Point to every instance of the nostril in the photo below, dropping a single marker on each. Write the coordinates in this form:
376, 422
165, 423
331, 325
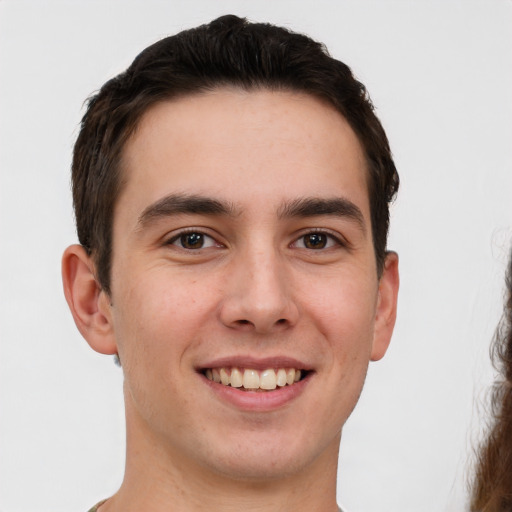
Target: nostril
281, 321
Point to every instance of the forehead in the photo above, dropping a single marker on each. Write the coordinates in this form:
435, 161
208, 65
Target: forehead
228, 142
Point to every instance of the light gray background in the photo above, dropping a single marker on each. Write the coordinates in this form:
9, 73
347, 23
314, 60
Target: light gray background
440, 74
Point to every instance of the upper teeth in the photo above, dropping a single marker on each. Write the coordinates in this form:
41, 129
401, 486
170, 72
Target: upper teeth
253, 379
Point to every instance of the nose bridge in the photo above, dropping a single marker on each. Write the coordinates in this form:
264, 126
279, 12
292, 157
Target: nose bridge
259, 295
264, 277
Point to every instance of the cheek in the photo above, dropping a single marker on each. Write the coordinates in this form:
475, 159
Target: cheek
157, 319
345, 311
344, 315
150, 331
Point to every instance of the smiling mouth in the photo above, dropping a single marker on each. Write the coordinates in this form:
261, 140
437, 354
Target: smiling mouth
254, 380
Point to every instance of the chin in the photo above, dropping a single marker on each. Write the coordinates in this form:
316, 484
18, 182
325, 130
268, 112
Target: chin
259, 471
266, 461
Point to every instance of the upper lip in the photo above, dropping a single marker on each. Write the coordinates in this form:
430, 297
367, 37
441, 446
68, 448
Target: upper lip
255, 363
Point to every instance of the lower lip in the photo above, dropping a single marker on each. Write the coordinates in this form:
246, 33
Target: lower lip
258, 401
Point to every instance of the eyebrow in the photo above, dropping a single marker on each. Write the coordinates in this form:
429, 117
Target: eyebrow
175, 204
313, 206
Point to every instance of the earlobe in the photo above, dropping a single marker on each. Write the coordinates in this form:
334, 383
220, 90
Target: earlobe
89, 304
386, 306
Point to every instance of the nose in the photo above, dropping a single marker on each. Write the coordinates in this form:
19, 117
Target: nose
259, 295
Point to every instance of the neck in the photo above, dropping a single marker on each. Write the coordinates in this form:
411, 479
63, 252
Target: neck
159, 480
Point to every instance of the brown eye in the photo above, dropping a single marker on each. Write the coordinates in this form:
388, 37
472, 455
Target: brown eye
193, 240
315, 241
318, 240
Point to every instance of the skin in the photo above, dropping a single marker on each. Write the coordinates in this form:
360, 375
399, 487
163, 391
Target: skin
257, 289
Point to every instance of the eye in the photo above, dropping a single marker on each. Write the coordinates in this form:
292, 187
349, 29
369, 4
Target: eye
316, 241
191, 240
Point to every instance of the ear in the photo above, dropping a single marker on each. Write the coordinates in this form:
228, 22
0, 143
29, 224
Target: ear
89, 304
386, 306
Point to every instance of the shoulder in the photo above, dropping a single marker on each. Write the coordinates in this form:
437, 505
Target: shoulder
97, 506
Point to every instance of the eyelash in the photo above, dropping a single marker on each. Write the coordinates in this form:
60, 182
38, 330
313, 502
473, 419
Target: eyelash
176, 237
330, 237
336, 238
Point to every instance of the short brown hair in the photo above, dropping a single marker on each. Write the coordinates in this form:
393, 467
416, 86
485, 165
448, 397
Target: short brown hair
229, 51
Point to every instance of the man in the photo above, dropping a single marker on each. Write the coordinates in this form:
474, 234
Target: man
231, 191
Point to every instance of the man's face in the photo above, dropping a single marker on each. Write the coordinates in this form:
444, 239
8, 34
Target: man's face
242, 243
